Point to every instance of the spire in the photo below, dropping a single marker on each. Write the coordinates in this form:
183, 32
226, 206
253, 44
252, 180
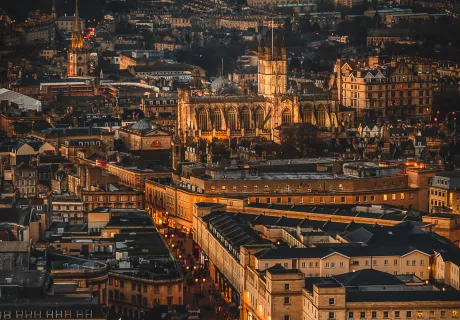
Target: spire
77, 39
53, 10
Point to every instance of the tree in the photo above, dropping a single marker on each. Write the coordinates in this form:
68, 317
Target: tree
300, 140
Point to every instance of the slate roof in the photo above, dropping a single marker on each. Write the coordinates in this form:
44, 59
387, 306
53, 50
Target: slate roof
367, 277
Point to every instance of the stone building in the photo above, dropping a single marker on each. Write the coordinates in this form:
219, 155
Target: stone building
145, 135
78, 57
372, 271
378, 90
358, 183
444, 192
248, 115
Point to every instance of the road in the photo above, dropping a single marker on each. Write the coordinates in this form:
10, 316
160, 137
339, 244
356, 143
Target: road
200, 291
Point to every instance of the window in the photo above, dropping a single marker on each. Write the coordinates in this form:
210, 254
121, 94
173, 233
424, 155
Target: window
374, 314
402, 196
385, 197
385, 314
287, 317
454, 314
408, 314
385, 262
351, 315
122, 283
393, 196
419, 314
286, 286
287, 300
268, 200
331, 315
331, 301
395, 262
443, 314
342, 264
397, 314
362, 315
342, 199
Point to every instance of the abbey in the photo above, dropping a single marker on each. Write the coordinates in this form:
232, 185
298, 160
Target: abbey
249, 115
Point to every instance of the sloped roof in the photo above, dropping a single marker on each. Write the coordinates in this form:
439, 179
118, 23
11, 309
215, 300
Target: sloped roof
23, 101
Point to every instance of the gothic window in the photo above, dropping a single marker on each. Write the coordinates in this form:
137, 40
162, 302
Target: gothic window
286, 116
307, 113
232, 118
202, 120
246, 118
259, 115
322, 113
216, 119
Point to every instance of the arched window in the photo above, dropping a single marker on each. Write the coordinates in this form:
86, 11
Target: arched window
232, 119
286, 116
307, 114
216, 119
202, 120
246, 118
259, 118
322, 113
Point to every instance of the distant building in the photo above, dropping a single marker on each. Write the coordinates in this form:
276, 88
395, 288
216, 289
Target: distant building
65, 24
444, 192
382, 36
57, 137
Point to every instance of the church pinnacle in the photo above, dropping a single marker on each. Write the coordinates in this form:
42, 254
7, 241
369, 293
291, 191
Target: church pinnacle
77, 39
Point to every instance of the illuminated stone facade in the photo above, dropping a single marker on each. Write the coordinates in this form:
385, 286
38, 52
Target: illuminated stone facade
78, 58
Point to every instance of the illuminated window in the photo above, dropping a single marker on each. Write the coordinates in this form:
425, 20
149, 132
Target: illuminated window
385, 197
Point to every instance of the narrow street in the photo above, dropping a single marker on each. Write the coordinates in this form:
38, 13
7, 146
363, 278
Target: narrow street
199, 289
